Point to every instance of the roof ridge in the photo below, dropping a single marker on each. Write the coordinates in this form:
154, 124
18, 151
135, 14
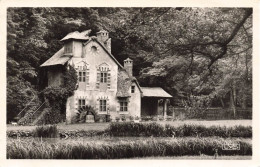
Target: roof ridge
94, 38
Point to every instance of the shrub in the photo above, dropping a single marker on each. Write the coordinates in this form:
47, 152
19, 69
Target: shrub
123, 118
82, 133
146, 118
102, 118
55, 97
135, 129
18, 149
26, 119
19, 133
49, 116
117, 119
131, 118
157, 130
155, 118
47, 131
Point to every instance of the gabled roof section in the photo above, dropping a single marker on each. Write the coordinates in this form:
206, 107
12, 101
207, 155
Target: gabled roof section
77, 35
154, 92
57, 59
124, 82
128, 59
93, 38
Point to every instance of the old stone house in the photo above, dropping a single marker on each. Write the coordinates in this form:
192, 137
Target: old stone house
103, 82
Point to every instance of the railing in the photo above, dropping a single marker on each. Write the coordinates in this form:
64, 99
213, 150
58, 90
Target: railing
38, 108
211, 113
27, 104
34, 114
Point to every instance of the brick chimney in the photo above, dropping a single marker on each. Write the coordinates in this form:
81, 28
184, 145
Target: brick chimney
128, 65
103, 37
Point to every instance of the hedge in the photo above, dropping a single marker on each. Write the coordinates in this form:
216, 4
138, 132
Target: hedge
157, 130
128, 129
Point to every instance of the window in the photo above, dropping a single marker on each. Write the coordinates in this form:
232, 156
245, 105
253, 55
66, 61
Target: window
82, 103
123, 105
82, 76
132, 89
93, 48
68, 48
103, 77
103, 105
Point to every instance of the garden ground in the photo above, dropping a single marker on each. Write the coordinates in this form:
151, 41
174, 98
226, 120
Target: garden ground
103, 126
155, 142
204, 157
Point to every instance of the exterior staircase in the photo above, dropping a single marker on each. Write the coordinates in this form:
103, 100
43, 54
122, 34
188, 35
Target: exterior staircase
31, 115
31, 111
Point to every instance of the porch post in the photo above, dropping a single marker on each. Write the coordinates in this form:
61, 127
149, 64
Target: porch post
165, 108
158, 107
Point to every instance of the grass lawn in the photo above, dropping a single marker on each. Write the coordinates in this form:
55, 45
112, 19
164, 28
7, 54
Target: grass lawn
102, 126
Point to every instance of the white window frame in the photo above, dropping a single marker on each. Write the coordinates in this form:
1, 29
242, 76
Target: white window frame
102, 105
80, 103
123, 106
103, 77
82, 76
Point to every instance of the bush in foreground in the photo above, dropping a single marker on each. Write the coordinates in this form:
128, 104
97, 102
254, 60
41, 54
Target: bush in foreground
18, 149
50, 131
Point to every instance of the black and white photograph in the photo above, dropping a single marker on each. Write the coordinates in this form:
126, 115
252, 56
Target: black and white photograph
129, 83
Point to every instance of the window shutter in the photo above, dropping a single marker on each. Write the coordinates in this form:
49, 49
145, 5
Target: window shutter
108, 80
98, 79
87, 76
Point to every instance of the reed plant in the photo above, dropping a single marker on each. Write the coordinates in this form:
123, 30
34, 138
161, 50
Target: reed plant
150, 147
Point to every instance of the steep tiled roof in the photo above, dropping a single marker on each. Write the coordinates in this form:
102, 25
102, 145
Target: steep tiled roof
105, 49
123, 84
57, 59
77, 35
154, 92
124, 81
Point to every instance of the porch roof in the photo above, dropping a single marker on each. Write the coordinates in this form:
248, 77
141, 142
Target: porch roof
155, 92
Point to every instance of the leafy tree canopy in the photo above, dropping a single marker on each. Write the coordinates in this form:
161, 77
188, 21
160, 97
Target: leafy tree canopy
191, 52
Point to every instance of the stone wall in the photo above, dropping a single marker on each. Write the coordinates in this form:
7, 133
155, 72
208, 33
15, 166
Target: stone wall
94, 60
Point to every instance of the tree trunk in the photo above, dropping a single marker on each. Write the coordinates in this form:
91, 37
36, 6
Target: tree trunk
222, 102
244, 96
232, 102
244, 105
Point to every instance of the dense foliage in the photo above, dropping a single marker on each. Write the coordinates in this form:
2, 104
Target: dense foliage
56, 97
202, 56
23, 149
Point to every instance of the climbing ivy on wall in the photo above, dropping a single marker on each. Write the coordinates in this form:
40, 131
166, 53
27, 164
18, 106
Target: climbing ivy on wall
56, 96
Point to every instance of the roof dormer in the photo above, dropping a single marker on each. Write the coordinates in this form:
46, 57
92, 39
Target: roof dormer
73, 43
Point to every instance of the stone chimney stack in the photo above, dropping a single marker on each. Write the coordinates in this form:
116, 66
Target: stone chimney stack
128, 65
103, 37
